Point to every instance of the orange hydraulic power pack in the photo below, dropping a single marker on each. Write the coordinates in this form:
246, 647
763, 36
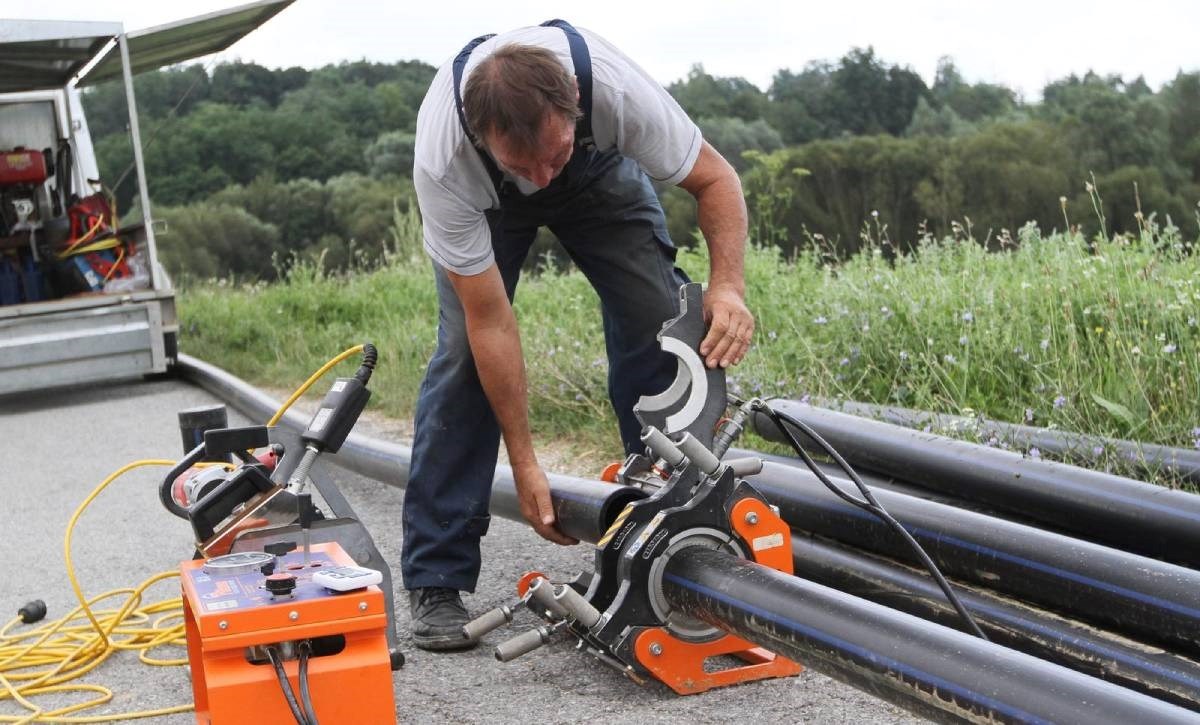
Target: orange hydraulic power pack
247, 613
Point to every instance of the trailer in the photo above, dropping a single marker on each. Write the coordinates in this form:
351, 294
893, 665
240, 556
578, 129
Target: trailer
83, 296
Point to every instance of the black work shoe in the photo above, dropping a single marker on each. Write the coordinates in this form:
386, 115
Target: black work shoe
438, 616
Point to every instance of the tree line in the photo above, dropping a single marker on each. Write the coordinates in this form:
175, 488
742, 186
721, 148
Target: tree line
250, 166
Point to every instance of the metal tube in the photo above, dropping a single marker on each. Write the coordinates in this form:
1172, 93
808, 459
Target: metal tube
135, 139
1042, 634
1153, 600
935, 671
1135, 516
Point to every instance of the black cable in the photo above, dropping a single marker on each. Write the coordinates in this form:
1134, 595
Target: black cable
870, 504
277, 663
369, 357
305, 697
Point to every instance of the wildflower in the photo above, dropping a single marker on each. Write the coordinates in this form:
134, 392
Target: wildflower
949, 358
1169, 348
866, 328
820, 320
992, 442
1099, 330
903, 355
1192, 322
1018, 350
963, 340
968, 317
1029, 415
1098, 451
1034, 453
1044, 344
928, 428
804, 399
874, 213
578, 397
771, 335
1135, 350
1060, 401
886, 312
844, 362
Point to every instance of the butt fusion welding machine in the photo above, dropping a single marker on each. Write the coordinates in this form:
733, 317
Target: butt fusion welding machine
618, 612
288, 611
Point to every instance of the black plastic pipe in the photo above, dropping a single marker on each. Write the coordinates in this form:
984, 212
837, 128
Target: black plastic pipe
935, 671
1042, 634
1131, 515
1152, 600
584, 508
1148, 458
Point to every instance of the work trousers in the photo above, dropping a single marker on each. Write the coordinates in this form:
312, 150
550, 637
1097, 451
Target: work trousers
604, 211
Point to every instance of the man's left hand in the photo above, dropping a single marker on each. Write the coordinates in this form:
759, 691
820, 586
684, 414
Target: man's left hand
730, 327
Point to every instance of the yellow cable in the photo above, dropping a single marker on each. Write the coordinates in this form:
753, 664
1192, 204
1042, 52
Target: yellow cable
309, 383
81, 640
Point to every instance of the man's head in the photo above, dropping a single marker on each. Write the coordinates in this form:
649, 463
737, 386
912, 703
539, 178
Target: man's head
522, 106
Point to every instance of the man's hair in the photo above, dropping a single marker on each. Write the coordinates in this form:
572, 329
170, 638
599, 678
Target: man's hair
510, 92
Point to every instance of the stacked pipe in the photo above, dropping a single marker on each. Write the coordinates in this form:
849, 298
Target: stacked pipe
929, 668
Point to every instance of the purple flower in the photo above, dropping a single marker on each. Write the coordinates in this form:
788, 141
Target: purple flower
1169, 348
844, 362
771, 335
1029, 415
820, 320
949, 358
928, 428
804, 399
963, 340
1034, 453
1098, 451
1060, 401
1044, 344
968, 317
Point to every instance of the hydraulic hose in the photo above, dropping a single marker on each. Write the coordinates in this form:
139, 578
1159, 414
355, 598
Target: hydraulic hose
1139, 517
1152, 600
285, 686
935, 671
1046, 636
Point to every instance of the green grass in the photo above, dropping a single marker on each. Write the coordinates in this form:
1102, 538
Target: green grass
1099, 336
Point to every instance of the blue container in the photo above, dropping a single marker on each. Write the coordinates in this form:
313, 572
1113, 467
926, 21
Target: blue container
10, 283
33, 283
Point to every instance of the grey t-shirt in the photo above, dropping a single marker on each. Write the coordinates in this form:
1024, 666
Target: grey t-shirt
630, 111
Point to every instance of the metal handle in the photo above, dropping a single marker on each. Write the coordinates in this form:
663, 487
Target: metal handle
580, 608
523, 643
541, 591
698, 454
486, 622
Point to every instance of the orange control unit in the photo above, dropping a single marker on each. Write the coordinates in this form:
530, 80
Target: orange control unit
231, 618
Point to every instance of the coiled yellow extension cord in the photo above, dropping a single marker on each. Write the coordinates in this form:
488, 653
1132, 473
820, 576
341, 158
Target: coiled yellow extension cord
47, 658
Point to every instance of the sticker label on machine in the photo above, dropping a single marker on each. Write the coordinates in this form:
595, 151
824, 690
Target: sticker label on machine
773, 541
224, 592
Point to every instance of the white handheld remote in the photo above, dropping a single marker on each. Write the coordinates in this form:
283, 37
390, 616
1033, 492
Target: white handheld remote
347, 578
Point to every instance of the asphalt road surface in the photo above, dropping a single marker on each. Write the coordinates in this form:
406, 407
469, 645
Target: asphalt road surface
55, 447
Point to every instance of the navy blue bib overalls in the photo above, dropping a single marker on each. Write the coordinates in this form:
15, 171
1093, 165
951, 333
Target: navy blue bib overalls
605, 213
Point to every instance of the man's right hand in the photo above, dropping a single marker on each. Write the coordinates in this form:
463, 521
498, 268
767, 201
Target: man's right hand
533, 495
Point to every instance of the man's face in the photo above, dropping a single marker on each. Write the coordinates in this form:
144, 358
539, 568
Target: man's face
556, 143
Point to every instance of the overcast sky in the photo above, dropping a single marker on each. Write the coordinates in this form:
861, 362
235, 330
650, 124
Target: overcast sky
1019, 43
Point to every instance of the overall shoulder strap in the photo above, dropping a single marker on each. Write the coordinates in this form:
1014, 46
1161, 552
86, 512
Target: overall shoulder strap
460, 62
582, 59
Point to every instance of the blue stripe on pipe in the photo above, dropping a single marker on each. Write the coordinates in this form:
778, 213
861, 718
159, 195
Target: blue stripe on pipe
864, 653
1167, 604
999, 613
